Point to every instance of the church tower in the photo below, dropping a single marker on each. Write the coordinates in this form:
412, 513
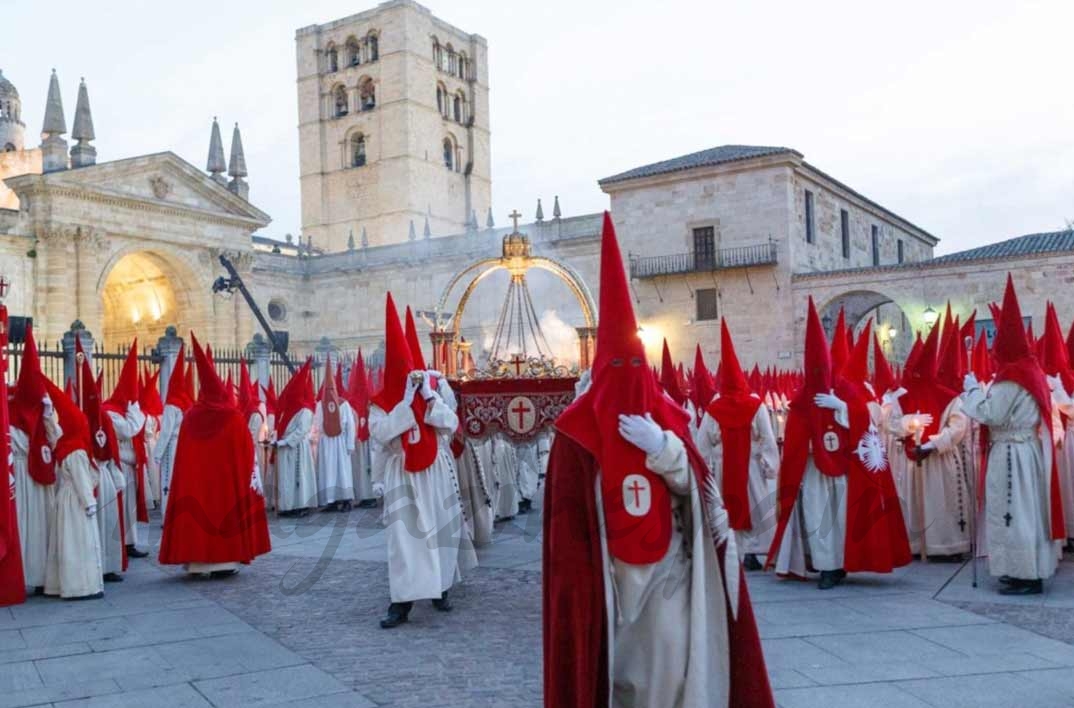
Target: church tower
12, 129
393, 107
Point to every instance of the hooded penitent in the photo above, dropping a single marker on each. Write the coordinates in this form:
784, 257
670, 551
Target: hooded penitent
330, 423
575, 613
856, 371
127, 390
734, 411
272, 402
249, 401
27, 414
420, 445
1016, 363
358, 396
105, 444
150, 398
76, 431
413, 342
178, 395
703, 390
295, 396
883, 376
840, 343
669, 379
875, 538
12, 581
215, 515
925, 394
1053, 350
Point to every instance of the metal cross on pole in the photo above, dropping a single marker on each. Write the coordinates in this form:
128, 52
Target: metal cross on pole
515, 216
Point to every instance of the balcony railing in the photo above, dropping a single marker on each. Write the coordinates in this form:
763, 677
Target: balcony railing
723, 259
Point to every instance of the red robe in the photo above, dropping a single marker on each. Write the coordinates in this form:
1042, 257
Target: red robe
575, 617
214, 515
12, 587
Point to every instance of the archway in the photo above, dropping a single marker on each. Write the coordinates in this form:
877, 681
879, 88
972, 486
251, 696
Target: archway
141, 295
890, 323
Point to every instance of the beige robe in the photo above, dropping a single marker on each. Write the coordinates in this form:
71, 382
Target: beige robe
74, 553
152, 468
428, 540
1065, 451
1017, 499
164, 452
503, 463
294, 464
474, 488
111, 482
668, 644
127, 427
34, 504
335, 477
763, 466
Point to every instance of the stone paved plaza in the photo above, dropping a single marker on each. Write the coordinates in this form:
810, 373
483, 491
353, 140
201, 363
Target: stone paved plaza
299, 628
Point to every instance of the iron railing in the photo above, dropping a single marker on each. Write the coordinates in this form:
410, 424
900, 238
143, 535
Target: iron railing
723, 259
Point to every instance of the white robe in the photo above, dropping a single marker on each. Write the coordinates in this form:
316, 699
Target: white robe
74, 553
335, 478
1065, 451
1017, 482
668, 643
763, 466
127, 427
164, 452
152, 467
474, 487
939, 505
361, 471
295, 476
527, 470
503, 463
34, 505
427, 536
111, 482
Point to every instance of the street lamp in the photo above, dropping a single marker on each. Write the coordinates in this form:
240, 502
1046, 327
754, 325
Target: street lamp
891, 332
930, 317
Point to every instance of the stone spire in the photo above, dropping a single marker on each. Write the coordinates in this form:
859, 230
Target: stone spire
365, 238
216, 166
236, 169
427, 232
540, 211
556, 212
350, 241
83, 154
473, 223
53, 147
413, 234
489, 221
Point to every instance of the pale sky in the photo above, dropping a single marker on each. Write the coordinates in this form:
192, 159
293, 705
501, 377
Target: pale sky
957, 115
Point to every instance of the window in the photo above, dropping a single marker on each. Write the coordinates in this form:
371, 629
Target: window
876, 245
844, 222
449, 154
372, 47
333, 59
705, 248
277, 310
901, 254
367, 94
357, 150
707, 304
452, 59
462, 65
439, 100
438, 54
809, 236
458, 109
340, 99
354, 52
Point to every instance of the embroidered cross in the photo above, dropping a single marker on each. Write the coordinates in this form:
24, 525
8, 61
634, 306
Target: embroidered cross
517, 361
637, 489
962, 524
521, 409
1007, 517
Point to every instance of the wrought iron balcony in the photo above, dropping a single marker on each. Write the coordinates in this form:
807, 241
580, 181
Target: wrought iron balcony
722, 259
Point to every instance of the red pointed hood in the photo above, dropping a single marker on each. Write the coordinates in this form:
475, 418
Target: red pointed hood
817, 365
105, 443
126, 390
703, 389
414, 342
925, 393
272, 403
76, 432
1070, 343
949, 366
840, 343
294, 397
622, 383
669, 378
1010, 343
27, 413
330, 420
150, 398
1053, 357
358, 395
177, 394
883, 376
249, 401
212, 392
856, 370
982, 360
732, 379
398, 360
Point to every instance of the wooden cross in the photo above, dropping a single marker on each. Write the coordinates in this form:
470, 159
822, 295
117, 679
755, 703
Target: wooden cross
515, 216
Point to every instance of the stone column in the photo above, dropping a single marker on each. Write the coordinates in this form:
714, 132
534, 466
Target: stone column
586, 342
259, 353
70, 362
168, 349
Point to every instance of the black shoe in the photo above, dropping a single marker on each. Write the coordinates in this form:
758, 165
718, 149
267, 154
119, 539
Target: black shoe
398, 613
948, 558
827, 580
750, 562
133, 552
95, 596
39, 590
217, 574
367, 504
1024, 587
1008, 580
302, 513
840, 576
442, 603
525, 506
112, 578
344, 506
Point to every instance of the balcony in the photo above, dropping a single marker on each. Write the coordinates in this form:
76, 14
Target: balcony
723, 259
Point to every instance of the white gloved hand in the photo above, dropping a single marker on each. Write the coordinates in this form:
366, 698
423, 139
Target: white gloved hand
928, 447
920, 420
378, 489
830, 401
47, 403
898, 393
91, 511
970, 382
642, 432
135, 407
409, 391
426, 386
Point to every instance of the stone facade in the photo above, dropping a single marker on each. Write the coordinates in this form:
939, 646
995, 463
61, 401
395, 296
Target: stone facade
377, 96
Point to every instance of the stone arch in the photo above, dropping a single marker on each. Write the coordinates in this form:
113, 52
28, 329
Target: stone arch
143, 289
888, 317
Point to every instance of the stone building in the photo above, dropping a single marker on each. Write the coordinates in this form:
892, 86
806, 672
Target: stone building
393, 107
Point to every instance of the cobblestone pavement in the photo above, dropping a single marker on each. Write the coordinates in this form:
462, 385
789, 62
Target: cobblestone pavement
299, 628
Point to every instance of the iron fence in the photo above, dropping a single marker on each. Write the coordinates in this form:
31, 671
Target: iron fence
721, 259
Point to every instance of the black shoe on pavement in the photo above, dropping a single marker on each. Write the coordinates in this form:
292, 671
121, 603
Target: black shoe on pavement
344, 506
217, 574
1024, 587
398, 613
112, 578
95, 596
367, 504
133, 552
442, 603
1008, 580
827, 580
750, 562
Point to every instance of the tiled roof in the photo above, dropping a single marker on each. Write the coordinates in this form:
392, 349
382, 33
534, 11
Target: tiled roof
713, 156
1028, 245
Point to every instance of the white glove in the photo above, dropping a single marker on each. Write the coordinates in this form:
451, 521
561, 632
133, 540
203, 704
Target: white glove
898, 393
830, 401
1054, 383
434, 374
969, 382
281, 443
135, 407
928, 447
642, 433
409, 391
920, 420
91, 511
47, 402
426, 386
378, 489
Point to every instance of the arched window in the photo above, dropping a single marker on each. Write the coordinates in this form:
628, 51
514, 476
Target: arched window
449, 154
458, 108
463, 62
354, 52
372, 46
438, 54
339, 98
452, 59
357, 150
367, 94
439, 99
333, 58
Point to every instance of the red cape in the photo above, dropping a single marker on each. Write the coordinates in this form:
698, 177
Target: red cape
734, 415
214, 516
12, 587
575, 617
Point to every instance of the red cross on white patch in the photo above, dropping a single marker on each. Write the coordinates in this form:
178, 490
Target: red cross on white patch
637, 495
